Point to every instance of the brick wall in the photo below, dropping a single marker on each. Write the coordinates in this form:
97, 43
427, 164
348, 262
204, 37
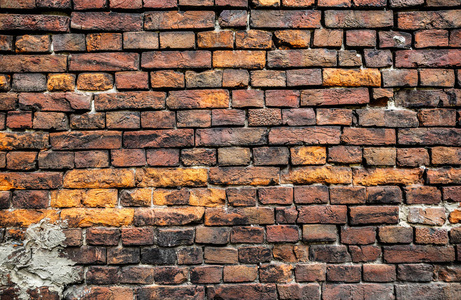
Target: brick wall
231, 149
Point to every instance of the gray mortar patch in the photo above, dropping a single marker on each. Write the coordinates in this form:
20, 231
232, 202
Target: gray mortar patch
38, 261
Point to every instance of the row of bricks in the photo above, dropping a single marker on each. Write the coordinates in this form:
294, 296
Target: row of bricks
250, 39
91, 255
314, 291
218, 216
152, 100
250, 59
231, 137
264, 254
202, 20
268, 273
232, 156
238, 197
163, 4
58, 121
311, 234
37, 82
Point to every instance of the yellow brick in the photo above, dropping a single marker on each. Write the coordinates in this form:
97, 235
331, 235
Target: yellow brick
207, 197
61, 82
86, 217
100, 178
308, 155
384, 176
25, 217
100, 198
159, 177
352, 77
324, 174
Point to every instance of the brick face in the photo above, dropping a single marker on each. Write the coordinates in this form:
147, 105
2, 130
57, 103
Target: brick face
232, 149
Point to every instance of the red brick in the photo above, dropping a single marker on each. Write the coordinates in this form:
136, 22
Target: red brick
417, 19
345, 154
395, 235
170, 275
239, 59
247, 234
19, 119
212, 235
106, 21
437, 117
334, 116
361, 38
206, 274
379, 273
275, 273
319, 233
310, 135
394, 39
132, 80
233, 18
33, 43
437, 77
358, 236
247, 98
215, 39
282, 98
344, 273
34, 22
358, 18
111, 61
241, 196
437, 236
100, 236
179, 20
310, 272
431, 38
167, 79
286, 19
128, 158
427, 216
427, 58
160, 3
85, 140
286, 39
328, 214
33, 63
89, 4
328, 38
230, 137
374, 215
240, 273
330, 253
282, 233
252, 291
123, 4
301, 58
321, 97
418, 253
177, 40
235, 78
422, 195
140, 40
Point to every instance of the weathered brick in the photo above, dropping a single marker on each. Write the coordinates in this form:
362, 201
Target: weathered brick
427, 58
110, 61
301, 58
106, 21
179, 20
322, 97
239, 59
25, 22
395, 235
358, 18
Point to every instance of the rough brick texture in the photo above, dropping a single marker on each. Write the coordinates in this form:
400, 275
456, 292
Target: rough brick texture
231, 149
